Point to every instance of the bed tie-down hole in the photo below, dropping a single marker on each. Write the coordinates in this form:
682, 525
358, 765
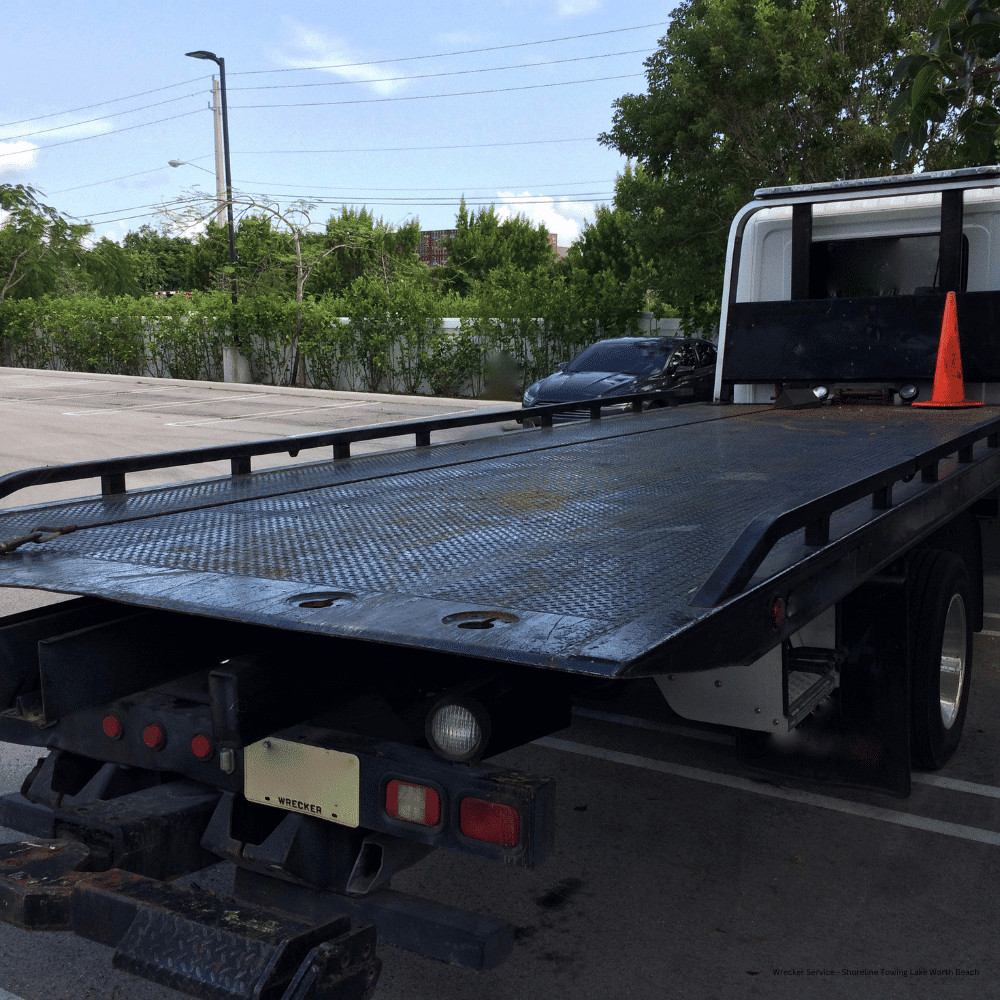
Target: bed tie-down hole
322, 599
479, 619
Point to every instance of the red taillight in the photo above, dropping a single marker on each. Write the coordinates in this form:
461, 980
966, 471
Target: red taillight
778, 614
201, 746
112, 727
153, 736
493, 822
412, 803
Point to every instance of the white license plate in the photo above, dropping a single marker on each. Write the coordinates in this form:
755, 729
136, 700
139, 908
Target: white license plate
303, 779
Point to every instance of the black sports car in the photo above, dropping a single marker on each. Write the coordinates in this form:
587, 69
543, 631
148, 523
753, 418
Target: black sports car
625, 365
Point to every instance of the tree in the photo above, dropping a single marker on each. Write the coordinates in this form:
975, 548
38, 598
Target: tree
366, 247
36, 243
277, 248
750, 93
165, 263
482, 243
948, 87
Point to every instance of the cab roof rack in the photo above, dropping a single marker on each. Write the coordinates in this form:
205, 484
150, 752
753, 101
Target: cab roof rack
967, 177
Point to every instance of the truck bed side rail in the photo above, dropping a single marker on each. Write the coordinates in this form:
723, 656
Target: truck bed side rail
737, 567
112, 471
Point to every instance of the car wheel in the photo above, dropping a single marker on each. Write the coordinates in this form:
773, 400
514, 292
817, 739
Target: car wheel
941, 629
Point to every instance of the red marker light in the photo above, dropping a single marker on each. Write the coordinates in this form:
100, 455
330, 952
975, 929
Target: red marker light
412, 803
778, 614
492, 822
201, 746
153, 736
112, 727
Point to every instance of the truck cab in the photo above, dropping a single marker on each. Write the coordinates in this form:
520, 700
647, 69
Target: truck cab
840, 287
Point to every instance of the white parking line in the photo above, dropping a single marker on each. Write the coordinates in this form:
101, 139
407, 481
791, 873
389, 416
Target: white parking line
957, 785
159, 406
707, 736
258, 416
658, 727
33, 384
85, 395
942, 827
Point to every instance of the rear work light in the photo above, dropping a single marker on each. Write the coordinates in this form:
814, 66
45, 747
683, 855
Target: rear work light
412, 803
492, 822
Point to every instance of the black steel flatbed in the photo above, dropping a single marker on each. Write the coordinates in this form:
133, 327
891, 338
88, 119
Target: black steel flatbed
617, 547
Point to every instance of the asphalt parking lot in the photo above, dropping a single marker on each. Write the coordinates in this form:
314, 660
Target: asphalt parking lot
677, 871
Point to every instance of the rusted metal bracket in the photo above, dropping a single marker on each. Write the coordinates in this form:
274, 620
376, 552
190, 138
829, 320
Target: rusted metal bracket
193, 940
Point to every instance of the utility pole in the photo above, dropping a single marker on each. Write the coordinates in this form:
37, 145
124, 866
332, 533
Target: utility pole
235, 366
220, 181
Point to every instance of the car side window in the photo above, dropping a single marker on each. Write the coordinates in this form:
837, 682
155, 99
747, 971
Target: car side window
706, 354
683, 357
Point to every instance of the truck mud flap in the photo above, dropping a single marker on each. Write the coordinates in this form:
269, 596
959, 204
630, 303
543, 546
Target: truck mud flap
204, 944
860, 736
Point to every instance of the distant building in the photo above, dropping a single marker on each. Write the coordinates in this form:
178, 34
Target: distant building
430, 250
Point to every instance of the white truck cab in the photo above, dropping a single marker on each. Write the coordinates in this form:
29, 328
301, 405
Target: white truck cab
811, 270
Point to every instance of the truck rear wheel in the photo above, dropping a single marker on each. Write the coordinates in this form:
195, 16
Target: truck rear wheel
941, 626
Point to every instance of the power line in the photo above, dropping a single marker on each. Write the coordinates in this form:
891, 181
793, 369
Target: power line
132, 208
109, 180
406, 149
428, 76
113, 131
390, 202
370, 62
457, 190
100, 104
442, 55
332, 83
191, 159
428, 97
527, 199
373, 100
90, 121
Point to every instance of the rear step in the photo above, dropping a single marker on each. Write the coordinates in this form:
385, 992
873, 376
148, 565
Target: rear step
207, 945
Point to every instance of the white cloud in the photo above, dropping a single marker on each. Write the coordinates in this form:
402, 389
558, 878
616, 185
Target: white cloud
571, 8
565, 218
17, 156
317, 50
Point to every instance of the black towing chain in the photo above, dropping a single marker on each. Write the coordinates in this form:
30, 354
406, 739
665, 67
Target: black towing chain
36, 536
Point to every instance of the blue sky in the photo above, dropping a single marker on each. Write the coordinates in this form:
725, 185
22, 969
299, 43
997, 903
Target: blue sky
98, 97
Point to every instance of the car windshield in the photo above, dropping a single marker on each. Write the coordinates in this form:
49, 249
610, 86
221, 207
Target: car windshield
633, 357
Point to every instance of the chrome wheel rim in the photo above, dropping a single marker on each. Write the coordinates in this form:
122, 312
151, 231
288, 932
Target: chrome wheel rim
953, 654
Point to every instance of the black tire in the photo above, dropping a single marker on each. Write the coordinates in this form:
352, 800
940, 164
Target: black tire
941, 664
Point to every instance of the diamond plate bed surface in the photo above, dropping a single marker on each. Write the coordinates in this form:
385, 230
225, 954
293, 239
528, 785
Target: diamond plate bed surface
574, 532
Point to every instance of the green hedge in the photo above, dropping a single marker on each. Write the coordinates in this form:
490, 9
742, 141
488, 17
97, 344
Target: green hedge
370, 340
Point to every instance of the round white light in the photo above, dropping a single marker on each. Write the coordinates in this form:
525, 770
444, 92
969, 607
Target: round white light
907, 393
456, 731
821, 392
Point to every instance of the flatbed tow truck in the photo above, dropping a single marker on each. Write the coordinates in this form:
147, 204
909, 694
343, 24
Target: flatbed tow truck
305, 670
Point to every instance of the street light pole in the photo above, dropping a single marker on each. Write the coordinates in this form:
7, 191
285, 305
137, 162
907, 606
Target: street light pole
221, 63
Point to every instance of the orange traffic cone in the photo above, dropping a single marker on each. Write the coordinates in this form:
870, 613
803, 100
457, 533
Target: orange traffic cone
949, 385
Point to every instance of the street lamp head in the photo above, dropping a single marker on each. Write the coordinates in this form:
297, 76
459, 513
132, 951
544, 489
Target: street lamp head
175, 163
202, 54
